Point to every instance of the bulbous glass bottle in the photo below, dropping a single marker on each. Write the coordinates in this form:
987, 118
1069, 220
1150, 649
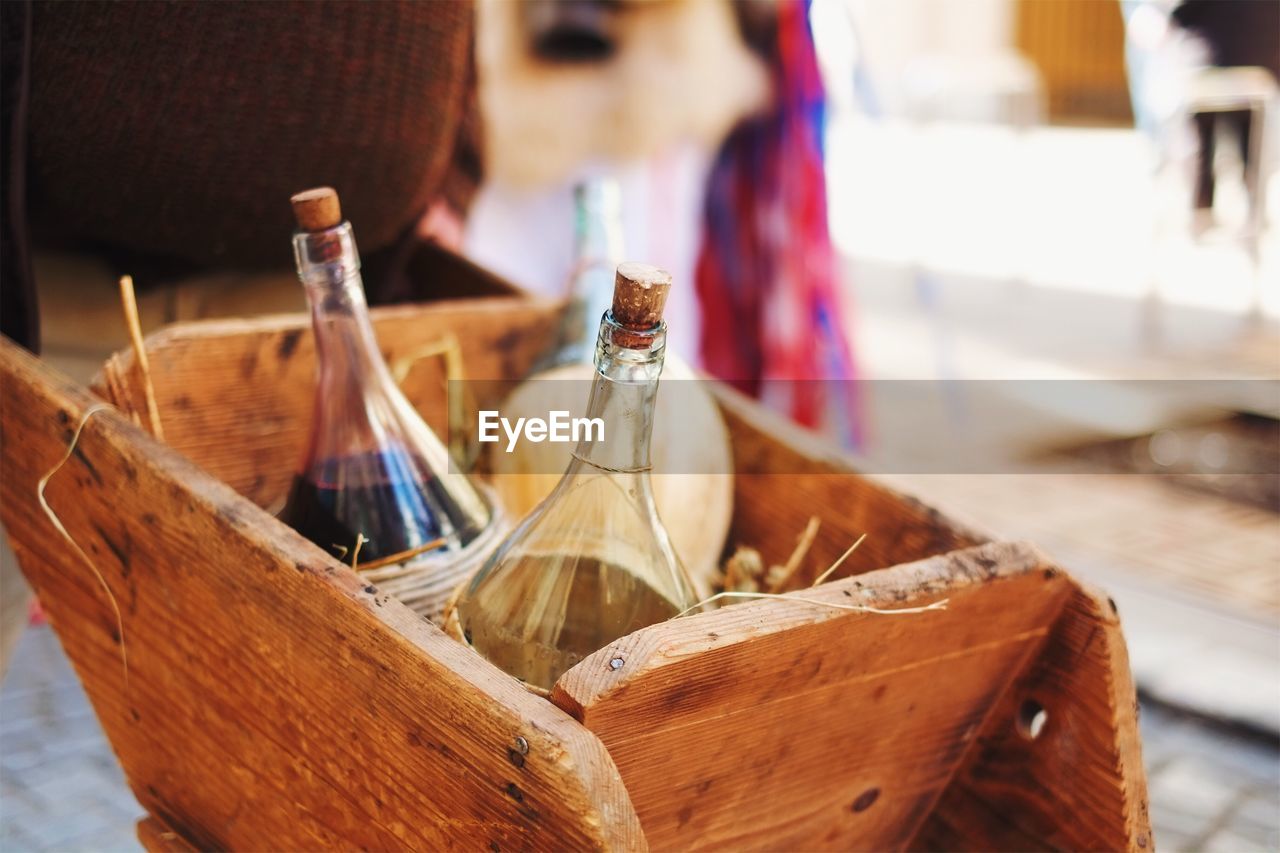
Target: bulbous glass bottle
592, 562
691, 456
372, 470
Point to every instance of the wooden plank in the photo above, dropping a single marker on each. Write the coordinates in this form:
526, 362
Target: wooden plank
785, 474
1078, 46
434, 273
236, 396
1079, 783
784, 725
272, 699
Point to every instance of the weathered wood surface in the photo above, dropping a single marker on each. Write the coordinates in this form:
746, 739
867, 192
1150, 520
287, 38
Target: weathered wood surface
784, 725
767, 725
1078, 784
273, 701
236, 396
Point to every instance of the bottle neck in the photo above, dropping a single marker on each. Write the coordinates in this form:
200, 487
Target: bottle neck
347, 351
597, 232
623, 394
597, 251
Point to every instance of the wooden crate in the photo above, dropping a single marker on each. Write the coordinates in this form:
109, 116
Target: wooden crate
274, 700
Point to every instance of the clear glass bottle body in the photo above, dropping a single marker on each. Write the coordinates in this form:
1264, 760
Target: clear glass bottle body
593, 562
690, 442
372, 470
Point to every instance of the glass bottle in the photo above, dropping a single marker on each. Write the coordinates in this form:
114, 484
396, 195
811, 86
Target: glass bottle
691, 456
373, 470
593, 562
597, 241
558, 378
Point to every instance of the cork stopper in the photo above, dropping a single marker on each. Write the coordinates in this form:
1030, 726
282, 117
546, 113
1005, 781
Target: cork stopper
317, 209
639, 295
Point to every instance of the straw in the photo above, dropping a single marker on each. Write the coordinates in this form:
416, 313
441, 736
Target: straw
130, 304
941, 604
61, 528
790, 596
822, 577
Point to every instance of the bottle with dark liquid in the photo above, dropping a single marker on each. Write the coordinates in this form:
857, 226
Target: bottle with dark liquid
374, 476
592, 562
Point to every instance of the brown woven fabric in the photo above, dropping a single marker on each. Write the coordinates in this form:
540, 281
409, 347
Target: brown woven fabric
179, 130
18, 316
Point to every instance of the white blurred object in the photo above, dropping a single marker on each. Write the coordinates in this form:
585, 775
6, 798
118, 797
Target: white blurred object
1002, 87
1147, 32
1247, 87
933, 59
1146, 24
835, 43
1064, 208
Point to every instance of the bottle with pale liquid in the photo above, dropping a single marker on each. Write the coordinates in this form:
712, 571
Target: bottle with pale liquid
692, 463
593, 562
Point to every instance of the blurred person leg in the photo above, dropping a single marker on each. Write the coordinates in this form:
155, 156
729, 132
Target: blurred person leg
1205, 127
1241, 124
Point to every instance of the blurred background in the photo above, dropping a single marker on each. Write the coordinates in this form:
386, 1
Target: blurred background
995, 196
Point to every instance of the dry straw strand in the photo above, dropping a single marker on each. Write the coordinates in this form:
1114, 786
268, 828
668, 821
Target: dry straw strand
61, 528
830, 569
941, 604
402, 556
361, 539
801, 551
129, 302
